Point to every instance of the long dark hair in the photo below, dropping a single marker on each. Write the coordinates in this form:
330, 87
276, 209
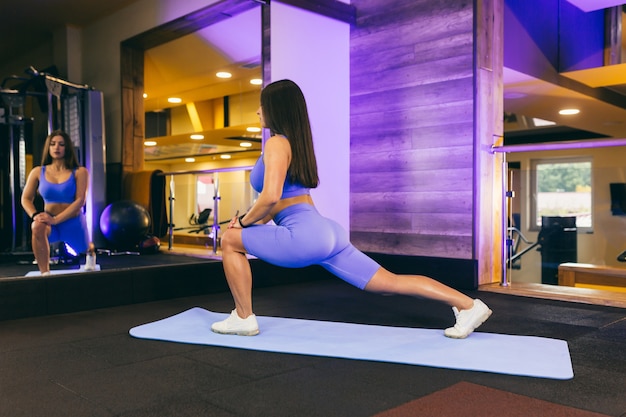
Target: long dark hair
70, 159
285, 113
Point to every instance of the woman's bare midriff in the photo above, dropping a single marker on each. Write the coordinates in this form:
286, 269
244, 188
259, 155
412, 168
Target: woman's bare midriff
286, 202
54, 209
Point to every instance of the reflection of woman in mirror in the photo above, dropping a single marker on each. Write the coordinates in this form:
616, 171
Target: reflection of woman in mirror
300, 236
62, 184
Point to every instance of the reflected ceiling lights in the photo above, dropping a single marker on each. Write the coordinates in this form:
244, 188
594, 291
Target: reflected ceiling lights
223, 74
245, 144
225, 156
197, 137
149, 143
256, 81
174, 100
190, 159
253, 129
568, 112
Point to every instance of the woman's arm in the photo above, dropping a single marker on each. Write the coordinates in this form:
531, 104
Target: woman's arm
82, 180
276, 157
30, 191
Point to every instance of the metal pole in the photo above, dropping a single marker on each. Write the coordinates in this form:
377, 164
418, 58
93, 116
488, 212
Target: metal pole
12, 179
505, 218
50, 114
171, 222
17, 165
22, 179
215, 229
557, 146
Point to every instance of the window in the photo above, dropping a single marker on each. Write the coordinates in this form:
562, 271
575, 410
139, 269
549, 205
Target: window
563, 188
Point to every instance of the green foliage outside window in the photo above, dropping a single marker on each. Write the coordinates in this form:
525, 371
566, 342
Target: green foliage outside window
564, 188
564, 177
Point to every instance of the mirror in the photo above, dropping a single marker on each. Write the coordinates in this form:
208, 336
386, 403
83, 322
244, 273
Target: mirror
195, 114
202, 92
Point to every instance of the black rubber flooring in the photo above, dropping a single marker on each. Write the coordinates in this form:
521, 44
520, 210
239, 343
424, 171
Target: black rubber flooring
86, 364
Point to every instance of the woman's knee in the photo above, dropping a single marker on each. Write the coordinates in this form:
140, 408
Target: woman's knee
40, 230
231, 241
383, 282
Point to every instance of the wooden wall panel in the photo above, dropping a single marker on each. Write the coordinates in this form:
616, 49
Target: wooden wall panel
452, 134
489, 218
412, 128
426, 159
132, 80
435, 180
425, 245
413, 202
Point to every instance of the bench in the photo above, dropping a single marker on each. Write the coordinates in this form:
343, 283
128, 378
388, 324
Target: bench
571, 274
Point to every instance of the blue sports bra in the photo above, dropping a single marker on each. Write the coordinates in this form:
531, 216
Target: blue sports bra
257, 177
64, 192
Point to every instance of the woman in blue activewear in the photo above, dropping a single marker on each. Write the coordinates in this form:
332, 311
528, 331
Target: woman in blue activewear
283, 176
62, 184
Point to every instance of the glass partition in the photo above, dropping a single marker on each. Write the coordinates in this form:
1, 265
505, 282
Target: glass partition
568, 226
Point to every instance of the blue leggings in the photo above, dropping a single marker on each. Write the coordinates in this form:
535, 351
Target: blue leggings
73, 232
302, 237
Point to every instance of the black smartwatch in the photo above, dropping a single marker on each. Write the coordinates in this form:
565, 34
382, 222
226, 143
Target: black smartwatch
243, 226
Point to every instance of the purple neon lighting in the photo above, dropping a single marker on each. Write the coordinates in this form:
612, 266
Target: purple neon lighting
557, 146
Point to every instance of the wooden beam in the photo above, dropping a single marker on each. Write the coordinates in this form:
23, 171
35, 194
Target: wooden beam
133, 115
190, 23
329, 8
225, 9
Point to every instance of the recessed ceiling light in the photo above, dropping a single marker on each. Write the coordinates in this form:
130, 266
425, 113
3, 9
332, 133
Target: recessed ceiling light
225, 156
174, 100
197, 137
540, 122
568, 112
145, 95
149, 143
256, 81
190, 159
223, 74
253, 129
245, 144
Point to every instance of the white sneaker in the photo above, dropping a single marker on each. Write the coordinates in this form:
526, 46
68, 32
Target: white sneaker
236, 325
468, 320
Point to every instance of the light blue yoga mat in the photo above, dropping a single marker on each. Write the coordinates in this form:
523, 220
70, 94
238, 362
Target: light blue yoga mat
487, 352
62, 271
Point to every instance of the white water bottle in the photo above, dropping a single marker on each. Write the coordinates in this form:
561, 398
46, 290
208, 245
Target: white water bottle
90, 259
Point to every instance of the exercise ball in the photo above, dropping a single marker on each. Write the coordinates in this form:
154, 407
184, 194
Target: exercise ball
124, 224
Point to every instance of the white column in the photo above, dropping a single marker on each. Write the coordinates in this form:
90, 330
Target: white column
313, 51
